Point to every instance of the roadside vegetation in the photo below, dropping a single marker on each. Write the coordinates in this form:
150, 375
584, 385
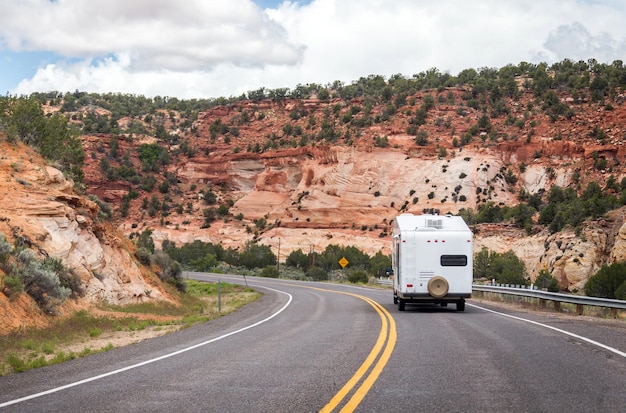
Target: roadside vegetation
259, 260
608, 282
84, 333
46, 280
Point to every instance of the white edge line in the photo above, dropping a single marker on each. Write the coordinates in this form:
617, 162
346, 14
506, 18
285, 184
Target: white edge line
588, 340
143, 363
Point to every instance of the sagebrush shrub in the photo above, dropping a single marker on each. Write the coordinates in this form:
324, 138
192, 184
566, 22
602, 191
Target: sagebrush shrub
39, 279
5, 249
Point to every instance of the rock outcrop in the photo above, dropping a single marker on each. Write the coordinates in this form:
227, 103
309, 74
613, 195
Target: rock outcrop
39, 207
571, 258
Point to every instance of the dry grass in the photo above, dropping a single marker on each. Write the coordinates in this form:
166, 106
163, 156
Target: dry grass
108, 326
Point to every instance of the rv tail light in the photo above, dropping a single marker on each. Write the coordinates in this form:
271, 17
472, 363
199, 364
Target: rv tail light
409, 286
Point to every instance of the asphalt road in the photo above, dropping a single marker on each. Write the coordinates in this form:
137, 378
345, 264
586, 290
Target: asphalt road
306, 347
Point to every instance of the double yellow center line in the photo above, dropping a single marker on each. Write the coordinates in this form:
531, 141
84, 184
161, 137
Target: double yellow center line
380, 355
373, 365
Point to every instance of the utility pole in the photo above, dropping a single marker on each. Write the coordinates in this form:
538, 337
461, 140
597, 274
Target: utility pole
278, 260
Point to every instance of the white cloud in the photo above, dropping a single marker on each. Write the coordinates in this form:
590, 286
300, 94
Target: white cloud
187, 35
574, 40
200, 48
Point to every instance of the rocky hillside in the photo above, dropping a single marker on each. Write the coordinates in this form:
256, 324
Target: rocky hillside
306, 173
39, 208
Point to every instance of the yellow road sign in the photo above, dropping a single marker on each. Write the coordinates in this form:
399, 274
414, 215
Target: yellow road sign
343, 262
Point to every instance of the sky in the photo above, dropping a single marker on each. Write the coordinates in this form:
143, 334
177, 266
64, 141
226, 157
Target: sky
223, 48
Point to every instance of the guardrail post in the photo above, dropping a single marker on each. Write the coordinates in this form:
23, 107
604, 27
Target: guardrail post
579, 309
614, 312
557, 305
219, 296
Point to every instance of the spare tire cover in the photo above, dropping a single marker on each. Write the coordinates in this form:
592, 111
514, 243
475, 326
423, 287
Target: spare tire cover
437, 286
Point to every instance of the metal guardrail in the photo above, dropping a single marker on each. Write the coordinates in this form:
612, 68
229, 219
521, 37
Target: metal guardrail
564, 298
544, 296
386, 282
579, 300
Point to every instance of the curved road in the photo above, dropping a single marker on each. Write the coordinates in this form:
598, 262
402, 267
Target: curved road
306, 347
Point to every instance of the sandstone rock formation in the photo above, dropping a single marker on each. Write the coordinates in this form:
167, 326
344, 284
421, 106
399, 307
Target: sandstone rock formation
39, 206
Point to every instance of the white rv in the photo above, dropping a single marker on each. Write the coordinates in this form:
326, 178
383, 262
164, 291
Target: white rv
432, 260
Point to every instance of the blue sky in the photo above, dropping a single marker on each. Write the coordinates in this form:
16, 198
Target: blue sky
17, 65
212, 48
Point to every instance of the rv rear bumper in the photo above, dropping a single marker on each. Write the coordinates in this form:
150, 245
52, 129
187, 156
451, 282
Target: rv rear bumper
427, 298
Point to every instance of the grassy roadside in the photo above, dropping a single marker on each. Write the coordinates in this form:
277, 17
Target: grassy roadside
109, 326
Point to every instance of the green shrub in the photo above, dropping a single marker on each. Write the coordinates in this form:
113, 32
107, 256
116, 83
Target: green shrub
174, 275
270, 272
5, 249
12, 286
47, 281
257, 256
358, 276
161, 259
143, 255
95, 332
381, 142
17, 364
205, 263
67, 277
505, 268
608, 282
145, 241
317, 274
40, 281
546, 280
298, 259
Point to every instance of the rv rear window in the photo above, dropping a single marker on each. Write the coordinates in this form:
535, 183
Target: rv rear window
453, 260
